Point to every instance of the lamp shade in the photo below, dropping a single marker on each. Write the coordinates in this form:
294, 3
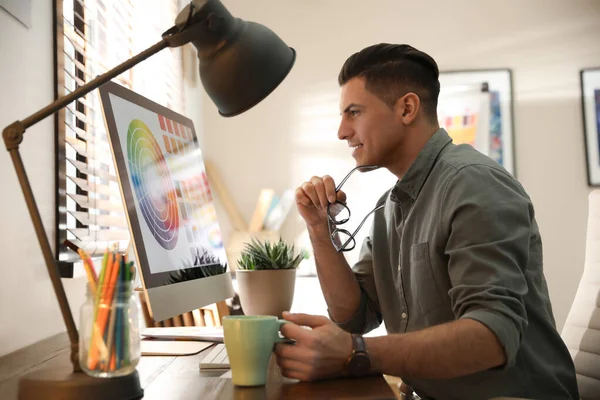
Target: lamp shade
241, 62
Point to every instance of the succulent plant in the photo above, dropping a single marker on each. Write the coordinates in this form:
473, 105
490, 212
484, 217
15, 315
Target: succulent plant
265, 255
202, 265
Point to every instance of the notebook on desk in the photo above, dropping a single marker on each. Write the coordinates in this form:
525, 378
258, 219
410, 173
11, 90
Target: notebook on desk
155, 347
216, 358
201, 333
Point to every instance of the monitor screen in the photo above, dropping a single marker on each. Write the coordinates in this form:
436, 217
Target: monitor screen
165, 189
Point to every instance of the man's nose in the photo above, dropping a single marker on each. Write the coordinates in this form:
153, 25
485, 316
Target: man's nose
343, 131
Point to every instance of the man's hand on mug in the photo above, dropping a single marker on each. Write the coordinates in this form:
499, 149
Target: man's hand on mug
318, 353
313, 197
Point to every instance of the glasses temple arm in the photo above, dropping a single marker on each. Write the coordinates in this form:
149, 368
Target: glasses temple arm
379, 207
365, 167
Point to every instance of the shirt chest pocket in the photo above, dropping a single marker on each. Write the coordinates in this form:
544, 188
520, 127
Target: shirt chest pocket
424, 290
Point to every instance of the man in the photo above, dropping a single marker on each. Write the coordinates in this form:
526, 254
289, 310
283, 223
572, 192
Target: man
452, 265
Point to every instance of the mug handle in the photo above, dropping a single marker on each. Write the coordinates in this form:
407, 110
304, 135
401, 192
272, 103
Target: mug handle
280, 337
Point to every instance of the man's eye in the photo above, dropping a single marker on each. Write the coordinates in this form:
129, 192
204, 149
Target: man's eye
354, 112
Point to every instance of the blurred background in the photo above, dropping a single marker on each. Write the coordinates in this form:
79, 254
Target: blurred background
514, 67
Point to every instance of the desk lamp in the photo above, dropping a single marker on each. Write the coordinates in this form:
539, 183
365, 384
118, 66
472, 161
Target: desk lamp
241, 63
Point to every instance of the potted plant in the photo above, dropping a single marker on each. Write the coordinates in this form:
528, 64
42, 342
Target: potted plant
266, 277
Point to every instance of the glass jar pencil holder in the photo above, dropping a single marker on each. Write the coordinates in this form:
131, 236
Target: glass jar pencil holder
109, 330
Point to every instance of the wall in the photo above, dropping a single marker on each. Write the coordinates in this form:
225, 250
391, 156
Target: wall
292, 134
28, 308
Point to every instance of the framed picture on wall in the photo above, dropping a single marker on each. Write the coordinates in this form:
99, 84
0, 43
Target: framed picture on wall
476, 108
590, 102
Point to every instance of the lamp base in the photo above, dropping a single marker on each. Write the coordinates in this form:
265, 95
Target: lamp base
64, 384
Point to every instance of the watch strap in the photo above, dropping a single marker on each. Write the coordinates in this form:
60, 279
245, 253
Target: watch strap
358, 344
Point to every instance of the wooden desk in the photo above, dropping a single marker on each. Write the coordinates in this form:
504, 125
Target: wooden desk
180, 378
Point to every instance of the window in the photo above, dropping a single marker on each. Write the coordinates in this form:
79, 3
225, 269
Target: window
93, 36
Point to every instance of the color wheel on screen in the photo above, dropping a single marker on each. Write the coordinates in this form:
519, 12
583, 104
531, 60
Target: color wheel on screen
152, 184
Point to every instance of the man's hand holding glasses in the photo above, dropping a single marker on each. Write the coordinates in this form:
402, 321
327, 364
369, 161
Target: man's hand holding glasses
320, 202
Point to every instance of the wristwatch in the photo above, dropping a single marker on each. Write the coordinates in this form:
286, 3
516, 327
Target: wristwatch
359, 363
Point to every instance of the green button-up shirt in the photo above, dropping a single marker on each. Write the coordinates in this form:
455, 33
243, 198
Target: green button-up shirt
458, 238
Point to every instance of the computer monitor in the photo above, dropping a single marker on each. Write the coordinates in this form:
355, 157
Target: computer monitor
171, 216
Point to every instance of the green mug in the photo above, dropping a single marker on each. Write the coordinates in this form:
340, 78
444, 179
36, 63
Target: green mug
249, 340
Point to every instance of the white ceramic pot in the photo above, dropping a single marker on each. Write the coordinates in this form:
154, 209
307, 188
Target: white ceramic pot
266, 292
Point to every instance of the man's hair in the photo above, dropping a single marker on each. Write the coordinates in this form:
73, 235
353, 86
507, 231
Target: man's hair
392, 70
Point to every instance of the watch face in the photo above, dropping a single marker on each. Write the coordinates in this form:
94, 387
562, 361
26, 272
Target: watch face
359, 364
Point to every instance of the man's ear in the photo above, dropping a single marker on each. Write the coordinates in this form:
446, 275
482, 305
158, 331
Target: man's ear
409, 106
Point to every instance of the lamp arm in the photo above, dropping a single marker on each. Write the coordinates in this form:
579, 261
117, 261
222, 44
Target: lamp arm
93, 84
13, 136
48, 256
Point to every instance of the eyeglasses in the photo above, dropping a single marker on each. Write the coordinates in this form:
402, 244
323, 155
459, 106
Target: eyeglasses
342, 239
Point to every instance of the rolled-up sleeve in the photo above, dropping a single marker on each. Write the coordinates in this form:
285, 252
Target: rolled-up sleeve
489, 218
368, 315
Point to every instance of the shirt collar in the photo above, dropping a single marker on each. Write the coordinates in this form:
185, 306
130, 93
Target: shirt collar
417, 174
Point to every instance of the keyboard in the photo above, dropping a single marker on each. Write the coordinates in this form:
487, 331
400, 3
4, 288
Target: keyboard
216, 358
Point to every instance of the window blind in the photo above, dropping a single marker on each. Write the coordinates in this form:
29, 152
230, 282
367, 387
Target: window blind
91, 37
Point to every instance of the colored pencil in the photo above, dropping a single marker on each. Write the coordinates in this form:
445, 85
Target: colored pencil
97, 333
119, 323
104, 312
112, 364
89, 269
97, 344
128, 287
113, 297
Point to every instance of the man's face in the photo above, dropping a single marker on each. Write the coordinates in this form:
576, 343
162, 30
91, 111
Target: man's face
373, 130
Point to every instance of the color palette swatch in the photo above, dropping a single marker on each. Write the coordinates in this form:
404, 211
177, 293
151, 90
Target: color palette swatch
152, 183
462, 128
198, 215
179, 135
